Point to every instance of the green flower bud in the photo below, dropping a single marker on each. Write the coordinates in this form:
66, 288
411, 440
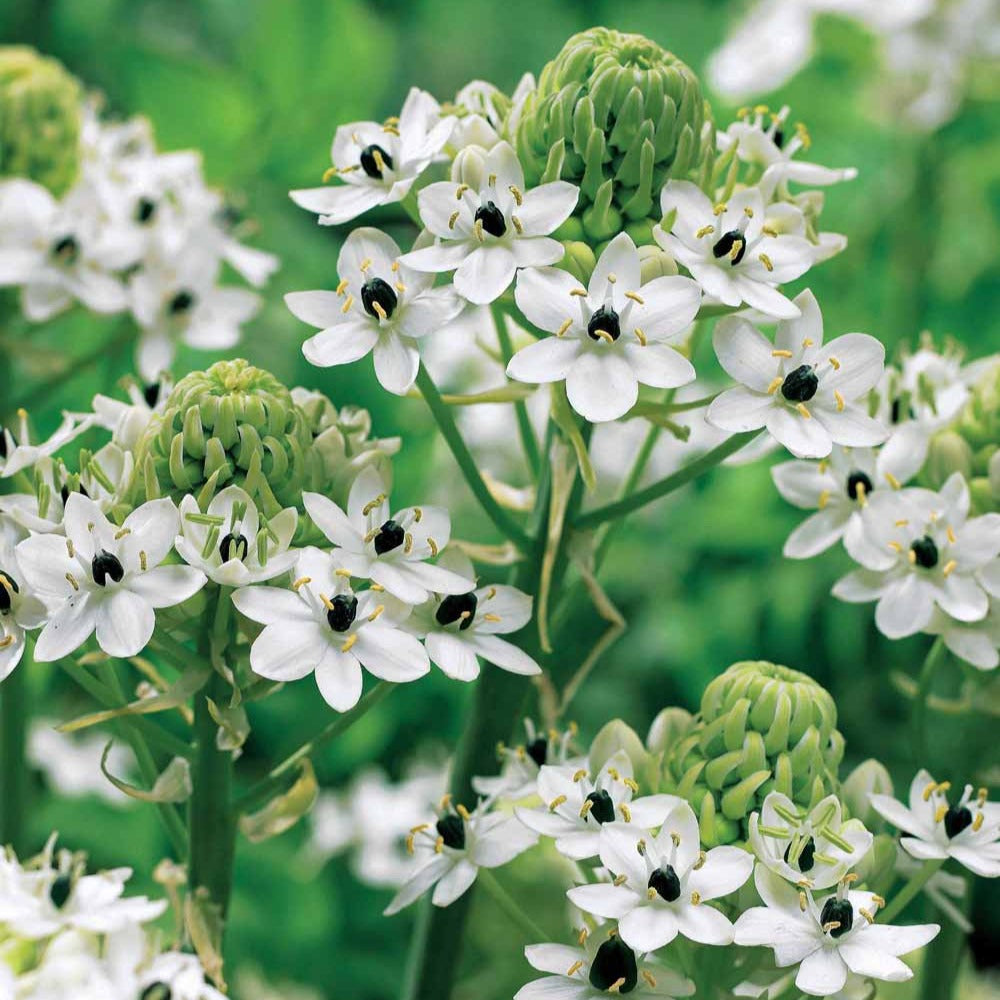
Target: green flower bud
671, 725
979, 421
762, 728
39, 119
655, 263
617, 115
948, 452
579, 260
870, 777
469, 167
231, 424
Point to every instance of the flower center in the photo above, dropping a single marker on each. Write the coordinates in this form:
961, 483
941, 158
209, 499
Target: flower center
538, 750
858, 482
341, 612
103, 565
374, 159
601, 806
390, 536
65, 491
451, 829
800, 385
604, 324
8, 588
837, 911
181, 303
156, 991
378, 298
234, 545
492, 219
925, 552
956, 819
151, 393
666, 883
733, 245
66, 250
457, 607
60, 891
806, 858
614, 966
145, 210
3, 442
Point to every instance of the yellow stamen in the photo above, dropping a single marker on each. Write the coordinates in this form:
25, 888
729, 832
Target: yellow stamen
517, 224
574, 968
766, 261
775, 385
453, 219
351, 640
348, 302
626, 812
342, 286
635, 297
824, 499
695, 898
492, 618
977, 823
301, 582
940, 813
640, 336
372, 504
840, 401
704, 231
579, 292
620, 880
617, 985
72, 581
516, 192
835, 363
949, 567
345, 573
462, 188
122, 533
378, 610
580, 775
951, 535
565, 326
556, 802
329, 173
781, 354
432, 545
892, 481
804, 410
379, 309
648, 976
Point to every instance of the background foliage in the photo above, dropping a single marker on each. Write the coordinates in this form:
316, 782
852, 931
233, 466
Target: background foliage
259, 86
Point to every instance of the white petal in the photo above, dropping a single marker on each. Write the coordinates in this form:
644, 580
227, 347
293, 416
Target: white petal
647, 928
331, 520
603, 900
547, 207
543, 295
339, 679
67, 629
510, 607
554, 958
861, 359
396, 363
961, 597
905, 608
341, 344
896, 813
269, 605
505, 655
867, 961
601, 385
339, 203
454, 656
822, 973
659, 365
419, 883
485, 274
456, 883
744, 352
804, 437
547, 360
670, 304
739, 409
724, 871
536, 251
816, 533
390, 654
852, 427
125, 623
620, 258
319, 309
165, 586
704, 924
288, 652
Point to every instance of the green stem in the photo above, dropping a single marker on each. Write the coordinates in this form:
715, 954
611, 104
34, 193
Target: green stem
467, 464
277, 776
533, 934
945, 958
13, 767
935, 656
528, 440
682, 477
909, 891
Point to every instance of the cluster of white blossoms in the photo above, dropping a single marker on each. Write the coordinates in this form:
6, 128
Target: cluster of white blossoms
67, 933
929, 557
138, 232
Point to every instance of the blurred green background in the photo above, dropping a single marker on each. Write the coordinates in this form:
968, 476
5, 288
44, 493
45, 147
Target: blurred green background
259, 86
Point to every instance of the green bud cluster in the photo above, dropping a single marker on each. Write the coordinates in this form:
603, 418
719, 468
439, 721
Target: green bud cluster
40, 114
978, 426
617, 115
761, 728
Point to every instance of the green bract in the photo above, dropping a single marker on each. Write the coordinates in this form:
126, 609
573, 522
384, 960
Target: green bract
762, 728
39, 119
617, 115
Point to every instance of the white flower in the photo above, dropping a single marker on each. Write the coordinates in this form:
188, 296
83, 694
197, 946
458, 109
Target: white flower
230, 544
389, 549
17, 453
320, 626
19, 608
128, 420
173, 975
483, 124
71, 763
70, 966
518, 776
663, 884
827, 938
575, 807
977, 643
918, 551
808, 395
731, 250
378, 163
380, 306
610, 336
106, 578
486, 235
818, 846
968, 831
597, 968
49, 249
457, 629
837, 488
453, 850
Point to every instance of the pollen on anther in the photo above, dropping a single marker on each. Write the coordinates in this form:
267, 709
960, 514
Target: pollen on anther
766, 261
635, 297
893, 481
949, 567
350, 641
453, 219
775, 385
640, 336
840, 401
342, 286
348, 302
564, 327
835, 363
575, 968
580, 775
951, 534
779, 353
704, 231
804, 410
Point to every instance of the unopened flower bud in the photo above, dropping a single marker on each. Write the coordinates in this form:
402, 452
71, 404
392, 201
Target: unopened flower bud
870, 777
579, 260
469, 167
668, 727
655, 263
947, 452
617, 735
40, 113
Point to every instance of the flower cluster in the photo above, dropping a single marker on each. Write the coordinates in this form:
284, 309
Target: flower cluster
70, 933
136, 231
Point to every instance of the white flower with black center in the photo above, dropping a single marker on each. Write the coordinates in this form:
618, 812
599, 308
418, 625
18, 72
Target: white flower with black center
321, 626
381, 307
610, 336
838, 489
731, 250
378, 163
599, 967
484, 236
390, 549
920, 550
935, 829
662, 884
809, 395
817, 846
458, 629
829, 937
231, 543
520, 765
140, 970
128, 420
105, 578
17, 452
575, 806
19, 609
454, 847
977, 643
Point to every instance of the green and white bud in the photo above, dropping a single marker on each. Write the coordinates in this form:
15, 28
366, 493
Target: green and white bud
670, 726
870, 777
947, 452
655, 263
579, 259
617, 115
469, 167
40, 118
978, 426
762, 728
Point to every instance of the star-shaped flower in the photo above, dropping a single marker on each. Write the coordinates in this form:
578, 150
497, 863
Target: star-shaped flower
968, 830
808, 395
662, 883
380, 306
19, 609
518, 778
18, 453
486, 235
610, 336
378, 163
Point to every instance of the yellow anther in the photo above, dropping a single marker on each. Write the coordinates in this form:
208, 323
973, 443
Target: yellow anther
902, 522
585, 808
578, 292
348, 302
460, 190
407, 543
676, 839
802, 901
69, 550
400, 287
583, 935
516, 192
895, 546
418, 514
635, 297
648, 976
574, 968
379, 309
695, 898
640, 847
830, 925
704, 231
345, 573
808, 342
774, 385
432, 545
700, 863
770, 231
445, 802
977, 823
439, 845
778, 353
640, 336
492, 180
620, 880
612, 278
580, 775
631, 783
650, 894
556, 803
301, 582
349, 643
940, 813
392, 130
378, 610
477, 229
951, 535
409, 844
122, 533
626, 812
878, 900
824, 499
738, 247
490, 594
327, 603
72, 581
342, 286
748, 212
804, 410
766, 261
912, 557
604, 335
892, 481
7, 640
949, 567
613, 774
566, 324
944, 786
329, 173
617, 985
835, 363
463, 812
803, 134
981, 796
453, 219
867, 914
720, 208
365, 264
838, 396
517, 224
491, 618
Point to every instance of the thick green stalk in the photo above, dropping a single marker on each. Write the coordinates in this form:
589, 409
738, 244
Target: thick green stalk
528, 440
909, 891
935, 656
533, 934
13, 725
945, 958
